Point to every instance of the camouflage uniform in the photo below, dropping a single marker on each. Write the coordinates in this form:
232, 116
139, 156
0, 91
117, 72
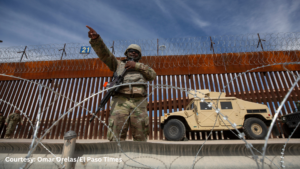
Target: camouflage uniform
12, 121
124, 102
1, 121
298, 105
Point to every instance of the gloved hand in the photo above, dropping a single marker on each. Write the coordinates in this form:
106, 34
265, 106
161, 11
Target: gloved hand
92, 33
130, 65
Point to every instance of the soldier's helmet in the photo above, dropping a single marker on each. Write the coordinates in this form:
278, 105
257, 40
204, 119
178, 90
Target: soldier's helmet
136, 47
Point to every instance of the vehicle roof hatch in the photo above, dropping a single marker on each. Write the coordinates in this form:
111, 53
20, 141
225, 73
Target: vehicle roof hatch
199, 93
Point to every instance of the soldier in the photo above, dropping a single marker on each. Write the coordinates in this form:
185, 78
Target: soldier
128, 97
1, 119
298, 105
12, 121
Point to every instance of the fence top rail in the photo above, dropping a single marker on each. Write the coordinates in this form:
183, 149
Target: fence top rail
161, 54
159, 47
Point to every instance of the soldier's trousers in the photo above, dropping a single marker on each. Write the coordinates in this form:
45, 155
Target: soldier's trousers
1, 126
121, 107
10, 128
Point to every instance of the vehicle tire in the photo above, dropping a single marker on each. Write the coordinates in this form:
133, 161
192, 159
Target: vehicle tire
288, 131
174, 130
255, 128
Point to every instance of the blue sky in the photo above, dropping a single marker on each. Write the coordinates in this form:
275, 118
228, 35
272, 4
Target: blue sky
34, 22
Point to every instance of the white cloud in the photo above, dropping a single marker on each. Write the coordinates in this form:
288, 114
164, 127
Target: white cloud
46, 22
192, 15
22, 26
115, 22
164, 9
200, 23
68, 25
266, 17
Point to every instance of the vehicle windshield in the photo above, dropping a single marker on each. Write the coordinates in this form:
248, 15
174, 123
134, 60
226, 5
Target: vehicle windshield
190, 106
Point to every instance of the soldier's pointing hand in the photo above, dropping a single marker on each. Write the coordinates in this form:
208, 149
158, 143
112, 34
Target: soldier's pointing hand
92, 33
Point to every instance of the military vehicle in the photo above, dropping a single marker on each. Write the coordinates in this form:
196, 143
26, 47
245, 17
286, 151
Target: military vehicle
199, 115
289, 123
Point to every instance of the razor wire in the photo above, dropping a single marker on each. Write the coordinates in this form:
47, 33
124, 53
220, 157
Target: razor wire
183, 89
275, 117
145, 157
279, 108
167, 87
49, 128
284, 146
28, 119
78, 104
226, 50
218, 111
56, 97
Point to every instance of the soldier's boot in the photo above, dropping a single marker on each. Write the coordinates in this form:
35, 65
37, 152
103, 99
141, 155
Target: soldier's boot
7, 137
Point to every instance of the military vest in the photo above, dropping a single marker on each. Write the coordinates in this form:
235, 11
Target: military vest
132, 76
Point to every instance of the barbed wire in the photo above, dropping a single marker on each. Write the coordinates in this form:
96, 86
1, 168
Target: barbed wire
38, 141
162, 87
119, 145
281, 104
284, 146
166, 53
77, 105
28, 119
104, 122
144, 157
187, 90
275, 117
218, 112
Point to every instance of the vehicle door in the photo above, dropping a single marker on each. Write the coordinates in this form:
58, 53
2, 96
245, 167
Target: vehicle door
207, 115
230, 109
193, 106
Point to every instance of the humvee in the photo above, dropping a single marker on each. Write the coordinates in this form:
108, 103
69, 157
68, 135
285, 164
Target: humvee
199, 115
289, 123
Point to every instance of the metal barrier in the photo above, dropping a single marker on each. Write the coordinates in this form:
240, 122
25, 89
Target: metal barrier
227, 50
267, 88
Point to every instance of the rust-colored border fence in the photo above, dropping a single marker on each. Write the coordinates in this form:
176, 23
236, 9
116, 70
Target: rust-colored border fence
262, 87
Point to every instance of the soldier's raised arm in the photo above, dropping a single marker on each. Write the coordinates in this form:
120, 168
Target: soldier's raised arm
101, 50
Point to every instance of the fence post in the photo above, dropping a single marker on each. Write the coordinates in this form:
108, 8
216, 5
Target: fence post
69, 148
